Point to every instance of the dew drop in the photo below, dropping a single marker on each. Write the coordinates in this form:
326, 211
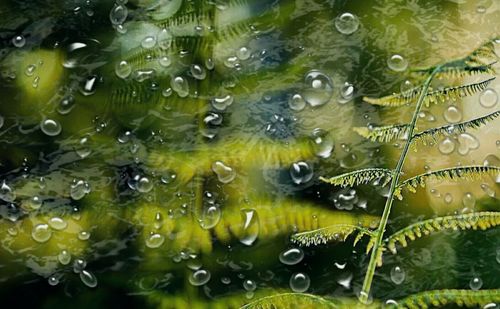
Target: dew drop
448, 198
301, 172
198, 72
397, 63
18, 41
35, 202
397, 275
57, 223
53, 280
89, 85
452, 114
318, 88
210, 216
446, 146
41, 233
299, 282
64, 257
50, 127
243, 53
148, 42
488, 190
475, 283
6, 193
123, 69
488, 98
222, 102
251, 227
83, 235
79, 265
249, 285
323, 143
346, 23
296, 102
224, 173
66, 105
199, 277
180, 85
469, 201
467, 142
347, 91
88, 278
144, 185
155, 240
118, 14
79, 189
291, 256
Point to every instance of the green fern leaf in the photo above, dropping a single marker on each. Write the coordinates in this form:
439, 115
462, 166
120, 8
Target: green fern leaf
440, 298
363, 176
384, 134
291, 300
396, 99
431, 134
337, 232
458, 69
453, 173
478, 220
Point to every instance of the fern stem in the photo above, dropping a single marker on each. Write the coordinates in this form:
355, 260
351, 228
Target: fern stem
377, 248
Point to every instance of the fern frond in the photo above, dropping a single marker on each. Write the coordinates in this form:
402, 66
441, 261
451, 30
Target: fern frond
458, 69
363, 176
455, 92
383, 134
396, 99
452, 173
337, 232
478, 220
440, 298
291, 300
461, 127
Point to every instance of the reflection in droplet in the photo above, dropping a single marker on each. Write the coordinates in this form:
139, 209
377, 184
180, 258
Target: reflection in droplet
299, 282
144, 185
346, 23
57, 223
64, 257
118, 14
6, 193
291, 256
198, 72
301, 172
53, 280
18, 41
318, 88
251, 227
79, 188
180, 85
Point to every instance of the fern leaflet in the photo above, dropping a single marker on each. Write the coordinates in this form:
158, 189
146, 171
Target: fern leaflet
440, 298
363, 176
337, 232
384, 134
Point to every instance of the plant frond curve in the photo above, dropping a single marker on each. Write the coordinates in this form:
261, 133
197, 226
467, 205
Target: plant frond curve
395, 99
363, 176
456, 92
474, 221
291, 300
383, 134
440, 298
337, 232
457, 69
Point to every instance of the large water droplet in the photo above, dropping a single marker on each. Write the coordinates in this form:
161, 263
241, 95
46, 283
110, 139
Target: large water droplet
488, 98
397, 63
296, 102
199, 277
144, 185
210, 216
291, 256
323, 143
180, 85
299, 282
397, 275
41, 233
452, 114
50, 127
475, 283
118, 14
243, 53
79, 189
88, 278
301, 172
224, 173
222, 102
347, 23
251, 227
318, 88
123, 69
467, 142
155, 240
446, 146
198, 71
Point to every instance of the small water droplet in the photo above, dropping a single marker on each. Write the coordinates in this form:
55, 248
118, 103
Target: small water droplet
469, 201
446, 146
296, 102
50, 127
299, 282
18, 41
488, 190
35, 202
180, 85
89, 85
144, 185
198, 71
347, 91
79, 188
64, 257
243, 53
301, 172
448, 198
118, 14
318, 88
88, 278
397, 63
346, 23
222, 102
467, 142
397, 275
249, 285
475, 283
155, 240
123, 69
66, 105
199, 277
291, 256
6, 193
57, 223
41, 233
488, 98
79, 265
452, 114
83, 235
210, 217
224, 173
323, 143
148, 42
251, 227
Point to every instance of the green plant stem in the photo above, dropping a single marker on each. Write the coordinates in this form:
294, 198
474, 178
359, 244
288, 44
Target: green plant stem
365, 291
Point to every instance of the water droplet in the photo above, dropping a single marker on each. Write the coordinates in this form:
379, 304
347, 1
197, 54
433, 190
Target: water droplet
6, 193
83, 235
210, 217
446, 146
35, 202
148, 42
406, 86
347, 91
318, 88
249, 285
64, 257
164, 39
144, 185
18, 41
199, 277
79, 265
323, 143
397, 275
88, 278
299, 282
53, 280
89, 85
79, 189
475, 283
180, 85
469, 201
168, 177
57, 223
347, 23
397, 63
448, 198
291, 256
467, 142
452, 114
155, 240
296, 102
224, 173
30, 70
198, 71
251, 227
488, 98
222, 102
243, 53
66, 105
209, 64
41, 233
50, 127
118, 14
123, 69
488, 190
301, 172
